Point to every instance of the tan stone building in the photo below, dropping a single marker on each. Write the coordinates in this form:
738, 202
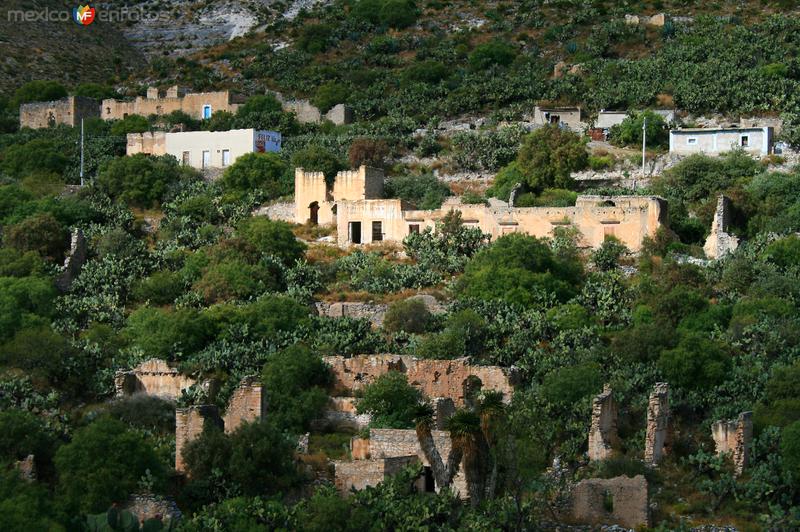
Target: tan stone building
354, 203
67, 111
204, 149
569, 117
199, 105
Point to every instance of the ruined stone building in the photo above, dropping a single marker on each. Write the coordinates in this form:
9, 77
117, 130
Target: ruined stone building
308, 113
153, 377
719, 241
354, 202
713, 141
657, 435
735, 437
67, 111
204, 149
198, 105
603, 432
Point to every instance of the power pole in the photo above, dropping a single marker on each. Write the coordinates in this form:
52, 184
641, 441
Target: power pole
81, 151
644, 142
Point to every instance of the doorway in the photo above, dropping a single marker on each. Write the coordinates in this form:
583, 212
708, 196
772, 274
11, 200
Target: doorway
313, 211
430, 484
355, 232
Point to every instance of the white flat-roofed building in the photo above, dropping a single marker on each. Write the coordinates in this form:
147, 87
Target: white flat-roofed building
712, 141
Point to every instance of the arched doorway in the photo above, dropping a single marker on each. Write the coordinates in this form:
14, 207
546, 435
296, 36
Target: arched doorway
313, 210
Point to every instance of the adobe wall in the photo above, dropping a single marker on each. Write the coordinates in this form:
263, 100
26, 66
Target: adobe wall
404, 442
149, 142
735, 437
603, 432
152, 377
657, 434
435, 378
247, 404
191, 104
362, 473
189, 423
621, 501
67, 111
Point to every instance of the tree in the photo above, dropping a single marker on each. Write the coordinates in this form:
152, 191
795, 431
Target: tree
142, 180
697, 362
567, 385
95, 90
102, 465
315, 158
234, 279
629, 132
22, 301
391, 401
449, 247
35, 156
164, 333
40, 233
549, 155
219, 121
330, 94
466, 433
443, 472
425, 191
790, 448
398, 14
265, 112
295, 380
272, 237
494, 52
408, 315
130, 124
370, 152
265, 172
23, 434
314, 38
39, 91
606, 257
780, 405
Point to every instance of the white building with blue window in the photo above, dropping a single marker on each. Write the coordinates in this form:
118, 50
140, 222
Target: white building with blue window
713, 141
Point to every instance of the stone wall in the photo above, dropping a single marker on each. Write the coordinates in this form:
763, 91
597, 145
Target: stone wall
192, 104
362, 473
374, 312
603, 432
153, 377
719, 242
282, 210
189, 423
359, 448
621, 501
149, 142
443, 410
74, 261
308, 113
341, 414
735, 437
247, 404
435, 378
67, 111
657, 424
147, 506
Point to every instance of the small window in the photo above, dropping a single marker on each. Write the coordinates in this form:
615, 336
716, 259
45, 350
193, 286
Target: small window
226, 157
206, 158
206, 112
185, 158
377, 231
108, 110
691, 141
413, 229
745, 141
159, 110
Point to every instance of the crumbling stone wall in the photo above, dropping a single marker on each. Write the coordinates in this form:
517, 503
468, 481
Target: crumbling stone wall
27, 468
621, 500
149, 142
67, 111
190, 103
189, 423
308, 113
247, 404
359, 448
719, 242
603, 432
435, 378
735, 437
657, 423
147, 506
374, 312
404, 442
74, 261
362, 473
443, 410
153, 377
341, 414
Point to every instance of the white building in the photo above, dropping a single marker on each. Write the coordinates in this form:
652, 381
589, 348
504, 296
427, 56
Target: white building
205, 149
712, 141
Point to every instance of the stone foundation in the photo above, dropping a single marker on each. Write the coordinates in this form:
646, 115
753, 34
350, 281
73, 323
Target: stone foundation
735, 437
622, 501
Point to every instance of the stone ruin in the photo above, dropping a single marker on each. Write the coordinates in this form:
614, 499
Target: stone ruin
146, 506
735, 437
189, 424
359, 474
152, 377
247, 404
73, 262
341, 414
603, 433
621, 500
657, 424
455, 379
443, 409
657, 20
719, 242
374, 312
27, 468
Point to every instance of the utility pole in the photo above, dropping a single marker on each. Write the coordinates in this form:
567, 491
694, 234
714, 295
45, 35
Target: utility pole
644, 142
81, 151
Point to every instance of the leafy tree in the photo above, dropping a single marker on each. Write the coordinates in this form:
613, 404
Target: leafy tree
367, 10
449, 247
506, 179
130, 124
14, 263
398, 14
785, 252
464, 335
269, 316
96, 91
23, 434
629, 132
42, 234
425, 72
425, 191
606, 257
295, 381
391, 401
102, 465
142, 180
549, 155
233, 279
41, 353
39, 91
495, 52
160, 288
519, 269
262, 459
219, 121
790, 448
569, 384
330, 94
265, 172
780, 405
22, 300
35, 156
697, 362
265, 112
409, 315
317, 159
166, 333
370, 152
25, 505
273, 237
314, 38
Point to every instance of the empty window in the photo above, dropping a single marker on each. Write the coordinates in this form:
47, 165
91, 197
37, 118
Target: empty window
206, 111
377, 231
226, 157
413, 228
745, 141
354, 228
206, 158
108, 110
185, 158
691, 141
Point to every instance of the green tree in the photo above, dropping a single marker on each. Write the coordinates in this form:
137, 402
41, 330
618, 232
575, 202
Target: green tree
41, 233
295, 380
219, 121
258, 171
391, 401
23, 434
95, 90
142, 180
35, 156
409, 315
629, 132
790, 448
233, 279
330, 94
265, 112
164, 333
697, 362
494, 52
273, 237
26, 505
102, 465
398, 14
130, 124
549, 155
780, 405
569, 384
315, 158
425, 191
39, 91
606, 257
23, 301
314, 38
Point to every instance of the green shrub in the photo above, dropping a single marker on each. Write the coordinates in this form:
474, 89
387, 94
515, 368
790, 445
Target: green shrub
697, 362
130, 124
790, 448
629, 132
273, 237
330, 94
315, 158
160, 288
42, 234
408, 315
601, 162
398, 14
391, 401
567, 385
492, 53
95, 90
425, 191
142, 180
39, 91
425, 72
548, 157
606, 257
314, 38
265, 172
35, 156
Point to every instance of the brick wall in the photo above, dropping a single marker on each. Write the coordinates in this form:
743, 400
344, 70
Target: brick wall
247, 404
362, 473
189, 423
